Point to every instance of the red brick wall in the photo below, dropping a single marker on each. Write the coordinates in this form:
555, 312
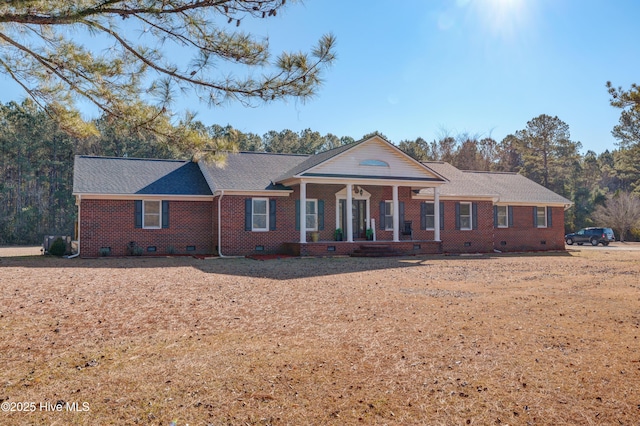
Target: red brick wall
110, 223
237, 241
524, 237
474, 241
521, 237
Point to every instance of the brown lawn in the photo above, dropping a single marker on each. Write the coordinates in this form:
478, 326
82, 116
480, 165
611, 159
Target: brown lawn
513, 339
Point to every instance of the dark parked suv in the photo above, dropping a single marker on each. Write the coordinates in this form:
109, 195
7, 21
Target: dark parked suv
594, 236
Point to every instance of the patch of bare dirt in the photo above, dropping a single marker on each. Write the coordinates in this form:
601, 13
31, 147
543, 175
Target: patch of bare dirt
14, 251
540, 339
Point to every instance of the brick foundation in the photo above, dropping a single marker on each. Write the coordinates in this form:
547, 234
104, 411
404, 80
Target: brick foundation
336, 248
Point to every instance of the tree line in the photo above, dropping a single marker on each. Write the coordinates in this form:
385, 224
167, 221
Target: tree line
36, 164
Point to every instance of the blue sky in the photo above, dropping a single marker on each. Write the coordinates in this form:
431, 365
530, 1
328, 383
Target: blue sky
484, 67
432, 68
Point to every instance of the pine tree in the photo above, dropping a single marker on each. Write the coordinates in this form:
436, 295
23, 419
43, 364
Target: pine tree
120, 57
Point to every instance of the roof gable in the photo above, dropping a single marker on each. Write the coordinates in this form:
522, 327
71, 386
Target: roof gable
370, 158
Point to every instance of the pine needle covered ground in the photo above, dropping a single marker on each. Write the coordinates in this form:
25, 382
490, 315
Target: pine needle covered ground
510, 339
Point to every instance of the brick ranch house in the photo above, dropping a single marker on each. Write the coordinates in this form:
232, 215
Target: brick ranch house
258, 201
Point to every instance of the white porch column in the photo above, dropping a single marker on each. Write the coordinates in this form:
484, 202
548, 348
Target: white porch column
303, 212
436, 213
396, 214
349, 213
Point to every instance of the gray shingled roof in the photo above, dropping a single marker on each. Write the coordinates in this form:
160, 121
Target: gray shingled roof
256, 171
250, 171
515, 188
459, 185
111, 175
506, 187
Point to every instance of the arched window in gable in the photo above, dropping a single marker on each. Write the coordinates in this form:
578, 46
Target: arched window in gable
374, 163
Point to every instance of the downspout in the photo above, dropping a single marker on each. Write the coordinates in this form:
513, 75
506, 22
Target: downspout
79, 221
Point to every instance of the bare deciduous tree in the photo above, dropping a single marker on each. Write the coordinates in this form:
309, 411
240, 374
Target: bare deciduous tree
621, 212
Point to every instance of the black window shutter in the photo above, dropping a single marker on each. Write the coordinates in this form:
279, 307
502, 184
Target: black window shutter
510, 213
441, 215
165, 214
401, 211
320, 215
138, 214
474, 215
423, 215
535, 217
297, 215
495, 216
549, 221
458, 216
272, 214
247, 214
382, 224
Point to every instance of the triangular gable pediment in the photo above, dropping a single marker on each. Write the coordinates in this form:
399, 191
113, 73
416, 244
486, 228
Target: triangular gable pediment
374, 158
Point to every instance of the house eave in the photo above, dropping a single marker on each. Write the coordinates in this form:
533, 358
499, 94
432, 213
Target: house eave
254, 192
342, 179
99, 196
564, 205
455, 197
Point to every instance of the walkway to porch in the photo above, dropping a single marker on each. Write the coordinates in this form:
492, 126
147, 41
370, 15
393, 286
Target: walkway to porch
333, 248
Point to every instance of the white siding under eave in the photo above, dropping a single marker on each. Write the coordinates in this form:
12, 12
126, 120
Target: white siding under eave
349, 163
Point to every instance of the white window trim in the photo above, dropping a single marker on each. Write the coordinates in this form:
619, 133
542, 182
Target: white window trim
387, 228
470, 228
428, 228
315, 201
144, 203
342, 195
544, 209
506, 216
253, 213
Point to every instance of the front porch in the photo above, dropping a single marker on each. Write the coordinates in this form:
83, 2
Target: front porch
334, 248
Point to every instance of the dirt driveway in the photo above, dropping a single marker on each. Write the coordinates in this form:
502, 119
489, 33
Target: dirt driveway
616, 246
20, 251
